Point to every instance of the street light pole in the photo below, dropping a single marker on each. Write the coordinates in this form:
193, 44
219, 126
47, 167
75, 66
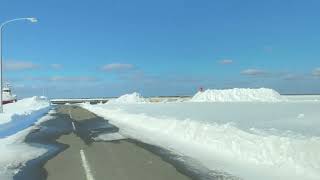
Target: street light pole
33, 20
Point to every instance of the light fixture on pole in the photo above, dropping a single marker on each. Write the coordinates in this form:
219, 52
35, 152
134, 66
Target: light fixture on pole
2, 25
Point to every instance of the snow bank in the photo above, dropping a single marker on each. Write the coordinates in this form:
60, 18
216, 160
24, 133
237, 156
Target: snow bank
222, 145
128, 99
14, 153
15, 125
20, 115
237, 95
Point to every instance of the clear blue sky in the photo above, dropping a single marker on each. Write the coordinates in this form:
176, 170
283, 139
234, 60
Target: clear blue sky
170, 47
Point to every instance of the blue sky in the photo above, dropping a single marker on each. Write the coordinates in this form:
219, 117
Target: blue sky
106, 48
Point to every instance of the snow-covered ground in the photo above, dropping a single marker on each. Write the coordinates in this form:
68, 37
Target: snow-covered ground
251, 140
15, 123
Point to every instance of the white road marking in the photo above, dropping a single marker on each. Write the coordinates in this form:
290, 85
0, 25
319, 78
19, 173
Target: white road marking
70, 114
73, 126
86, 166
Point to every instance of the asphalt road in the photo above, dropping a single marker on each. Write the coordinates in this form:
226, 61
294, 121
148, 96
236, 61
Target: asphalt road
81, 158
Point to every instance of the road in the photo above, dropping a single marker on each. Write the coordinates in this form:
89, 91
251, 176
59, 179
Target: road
81, 158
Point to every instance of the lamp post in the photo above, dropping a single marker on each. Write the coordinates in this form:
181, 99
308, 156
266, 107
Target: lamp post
31, 19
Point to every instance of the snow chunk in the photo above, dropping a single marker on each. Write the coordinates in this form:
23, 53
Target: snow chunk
238, 95
133, 98
109, 137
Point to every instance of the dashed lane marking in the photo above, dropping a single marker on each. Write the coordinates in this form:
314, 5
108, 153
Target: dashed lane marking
70, 114
73, 126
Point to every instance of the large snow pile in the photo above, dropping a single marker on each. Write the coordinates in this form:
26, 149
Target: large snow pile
128, 99
248, 140
20, 115
238, 95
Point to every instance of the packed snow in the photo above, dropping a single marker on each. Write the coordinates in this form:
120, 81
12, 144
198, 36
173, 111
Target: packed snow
250, 140
237, 95
128, 99
15, 124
